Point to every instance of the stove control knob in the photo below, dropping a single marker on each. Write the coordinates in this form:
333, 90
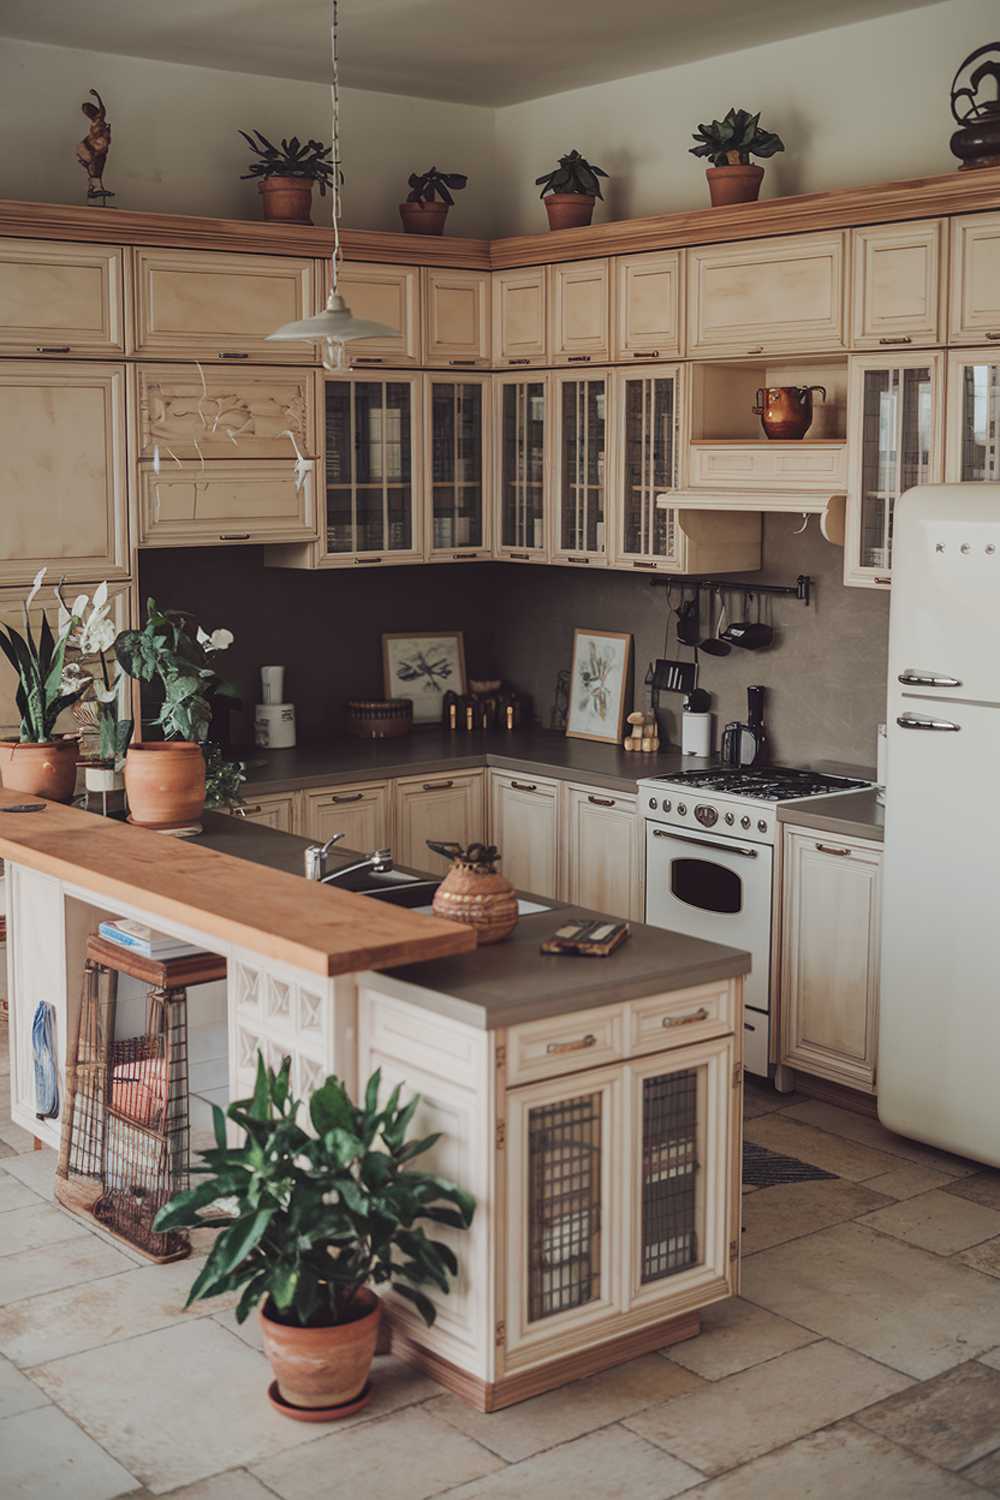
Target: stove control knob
707, 816
744, 822
682, 808
730, 819
667, 806
653, 803
761, 825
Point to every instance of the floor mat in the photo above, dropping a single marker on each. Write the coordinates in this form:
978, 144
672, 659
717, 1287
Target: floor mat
763, 1168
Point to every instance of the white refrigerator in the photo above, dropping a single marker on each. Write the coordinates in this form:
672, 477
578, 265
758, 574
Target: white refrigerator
939, 1037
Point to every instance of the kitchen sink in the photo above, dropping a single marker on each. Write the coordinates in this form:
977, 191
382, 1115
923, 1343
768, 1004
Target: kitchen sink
394, 886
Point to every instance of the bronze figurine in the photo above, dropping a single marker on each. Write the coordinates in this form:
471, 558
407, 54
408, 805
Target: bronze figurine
92, 152
977, 142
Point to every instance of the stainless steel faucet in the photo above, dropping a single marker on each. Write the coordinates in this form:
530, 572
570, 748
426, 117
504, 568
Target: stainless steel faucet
379, 862
315, 857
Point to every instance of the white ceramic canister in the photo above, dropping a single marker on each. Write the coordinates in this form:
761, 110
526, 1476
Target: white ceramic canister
696, 733
274, 726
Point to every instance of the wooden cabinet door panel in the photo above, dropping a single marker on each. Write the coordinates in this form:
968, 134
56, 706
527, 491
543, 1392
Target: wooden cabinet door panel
525, 828
389, 295
974, 309
236, 502
62, 470
456, 316
448, 809
61, 298
647, 306
777, 295
520, 334
230, 414
358, 810
269, 812
603, 842
897, 285
579, 312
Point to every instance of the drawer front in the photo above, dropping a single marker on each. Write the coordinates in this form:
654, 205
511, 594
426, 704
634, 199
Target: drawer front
232, 413
61, 298
565, 1044
661, 1021
237, 503
765, 465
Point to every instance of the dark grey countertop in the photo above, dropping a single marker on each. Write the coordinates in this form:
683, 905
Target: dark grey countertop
854, 815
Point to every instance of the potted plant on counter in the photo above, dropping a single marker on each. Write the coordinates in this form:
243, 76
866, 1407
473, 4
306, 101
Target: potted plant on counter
420, 213
730, 143
91, 632
570, 191
165, 780
312, 1224
286, 175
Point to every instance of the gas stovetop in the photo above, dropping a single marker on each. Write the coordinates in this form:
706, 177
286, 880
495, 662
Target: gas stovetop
765, 783
734, 800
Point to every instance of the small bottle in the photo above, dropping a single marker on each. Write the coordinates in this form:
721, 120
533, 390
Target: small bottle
470, 716
449, 711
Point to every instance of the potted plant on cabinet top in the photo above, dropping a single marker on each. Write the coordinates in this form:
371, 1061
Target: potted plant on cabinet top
570, 191
287, 173
730, 143
165, 780
312, 1224
39, 762
420, 213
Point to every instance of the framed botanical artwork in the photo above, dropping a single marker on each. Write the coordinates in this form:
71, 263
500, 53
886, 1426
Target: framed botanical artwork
423, 668
598, 683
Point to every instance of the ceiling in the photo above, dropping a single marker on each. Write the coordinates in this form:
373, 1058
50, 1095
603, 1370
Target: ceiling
490, 52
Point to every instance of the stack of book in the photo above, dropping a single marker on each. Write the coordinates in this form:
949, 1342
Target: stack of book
146, 941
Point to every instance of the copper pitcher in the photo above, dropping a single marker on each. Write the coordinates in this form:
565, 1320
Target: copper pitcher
786, 411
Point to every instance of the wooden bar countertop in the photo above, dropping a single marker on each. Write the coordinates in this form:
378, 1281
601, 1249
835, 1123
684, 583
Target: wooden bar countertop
317, 928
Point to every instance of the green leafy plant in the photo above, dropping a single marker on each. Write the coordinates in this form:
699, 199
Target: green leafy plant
46, 683
425, 186
170, 648
223, 779
574, 174
91, 631
315, 1218
294, 158
732, 141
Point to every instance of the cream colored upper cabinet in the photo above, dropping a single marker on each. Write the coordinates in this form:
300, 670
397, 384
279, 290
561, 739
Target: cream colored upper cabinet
457, 414
646, 297
579, 470
456, 317
62, 470
972, 446
579, 312
61, 298
448, 809
229, 413
520, 333
214, 305
389, 295
767, 296
974, 311
897, 279
190, 505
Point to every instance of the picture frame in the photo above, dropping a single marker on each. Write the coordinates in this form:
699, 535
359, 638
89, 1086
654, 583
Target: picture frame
598, 684
423, 666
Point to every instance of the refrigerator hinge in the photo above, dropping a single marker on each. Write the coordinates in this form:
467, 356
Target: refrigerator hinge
501, 1137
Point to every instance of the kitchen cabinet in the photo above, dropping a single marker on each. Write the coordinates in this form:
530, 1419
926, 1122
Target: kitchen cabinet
520, 327
579, 312
525, 826
62, 470
456, 318
769, 296
602, 842
972, 449
895, 432
974, 283
235, 413
522, 425
457, 420
221, 305
277, 811
383, 294
360, 810
58, 299
646, 301
188, 505
579, 469
646, 424
897, 280
830, 956
448, 809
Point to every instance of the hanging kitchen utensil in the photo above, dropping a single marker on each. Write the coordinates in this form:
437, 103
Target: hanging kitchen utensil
750, 635
714, 645
669, 675
688, 621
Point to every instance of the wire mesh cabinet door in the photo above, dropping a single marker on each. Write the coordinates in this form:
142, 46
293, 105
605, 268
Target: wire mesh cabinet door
457, 420
679, 1128
564, 1175
647, 415
521, 425
371, 464
580, 408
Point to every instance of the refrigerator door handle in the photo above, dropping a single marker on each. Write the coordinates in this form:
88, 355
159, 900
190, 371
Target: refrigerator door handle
913, 677
920, 721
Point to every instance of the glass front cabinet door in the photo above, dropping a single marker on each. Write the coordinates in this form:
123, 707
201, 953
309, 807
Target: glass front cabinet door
895, 439
521, 413
371, 462
458, 511
580, 404
973, 447
645, 449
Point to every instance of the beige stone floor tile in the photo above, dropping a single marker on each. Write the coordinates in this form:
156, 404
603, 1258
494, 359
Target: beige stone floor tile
46, 1456
953, 1420
32, 1273
834, 1153
37, 1227
6, 1150
981, 1187
14, 1194
17, 1392
984, 1257
937, 1221
608, 1465
174, 1406
898, 1304
785, 1212
868, 1131
735, 1335
761, 1099
235, 1484
411, 1454
748, 1414
908, 1179
985, 1473
841, 1463
36, 1169
20, 1141
559, 1416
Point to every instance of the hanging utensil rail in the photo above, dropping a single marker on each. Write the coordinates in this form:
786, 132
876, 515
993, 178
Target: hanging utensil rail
800, 589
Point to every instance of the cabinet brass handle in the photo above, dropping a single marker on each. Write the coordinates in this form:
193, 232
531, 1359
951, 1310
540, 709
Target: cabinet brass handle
519, 556
246, 810
576, 559
701, 1014
882, 580
758, 350
519, 361
601, 801
463, 556
645, 353
462, 362
232, 354
347, 797
554, 1049
905, 339
52, 348
993, 335
833, 849
234, 536
363, 562
643, 564
525, 786
579, 359
437, 786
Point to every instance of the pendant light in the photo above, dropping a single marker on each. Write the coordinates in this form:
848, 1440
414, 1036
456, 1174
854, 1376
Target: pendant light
336, 325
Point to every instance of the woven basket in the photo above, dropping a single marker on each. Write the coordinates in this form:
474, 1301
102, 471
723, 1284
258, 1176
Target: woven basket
379, 718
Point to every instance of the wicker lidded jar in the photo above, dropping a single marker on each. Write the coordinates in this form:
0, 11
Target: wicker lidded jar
475, 893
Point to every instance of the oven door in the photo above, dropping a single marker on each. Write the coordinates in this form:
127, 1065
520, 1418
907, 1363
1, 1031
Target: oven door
713, 888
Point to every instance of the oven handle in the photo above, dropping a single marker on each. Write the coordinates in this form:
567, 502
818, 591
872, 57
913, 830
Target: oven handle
684, 838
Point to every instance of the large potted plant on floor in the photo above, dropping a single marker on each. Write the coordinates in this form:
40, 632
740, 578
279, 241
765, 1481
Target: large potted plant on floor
429, 199
730, 143
312, 1224
165, 779
286, 174
570, 191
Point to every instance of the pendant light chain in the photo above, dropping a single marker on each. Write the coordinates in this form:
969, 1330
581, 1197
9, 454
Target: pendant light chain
336, 201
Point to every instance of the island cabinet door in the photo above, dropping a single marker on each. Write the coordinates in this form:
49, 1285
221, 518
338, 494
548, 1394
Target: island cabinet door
565, 1149
447, 809
524, 825
61, 298
603, 850
360, 811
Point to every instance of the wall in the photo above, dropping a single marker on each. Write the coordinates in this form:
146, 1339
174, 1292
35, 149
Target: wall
854, 105
175, 146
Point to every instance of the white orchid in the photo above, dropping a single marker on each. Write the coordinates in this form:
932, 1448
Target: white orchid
106, 694
219, 640
97, 634
73, 678
36, 585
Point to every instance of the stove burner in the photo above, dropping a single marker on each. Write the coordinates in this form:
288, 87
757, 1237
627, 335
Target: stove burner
767, 783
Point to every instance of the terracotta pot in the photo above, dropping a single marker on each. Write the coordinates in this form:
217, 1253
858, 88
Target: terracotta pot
479, 897
423, 218
320, 1368
739, 184
287, 198
46, 770
165, 783
569, 210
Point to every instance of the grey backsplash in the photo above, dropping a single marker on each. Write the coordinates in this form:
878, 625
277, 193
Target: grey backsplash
825, 675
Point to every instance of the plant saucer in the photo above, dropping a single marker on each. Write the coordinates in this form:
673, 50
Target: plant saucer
318, 1413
